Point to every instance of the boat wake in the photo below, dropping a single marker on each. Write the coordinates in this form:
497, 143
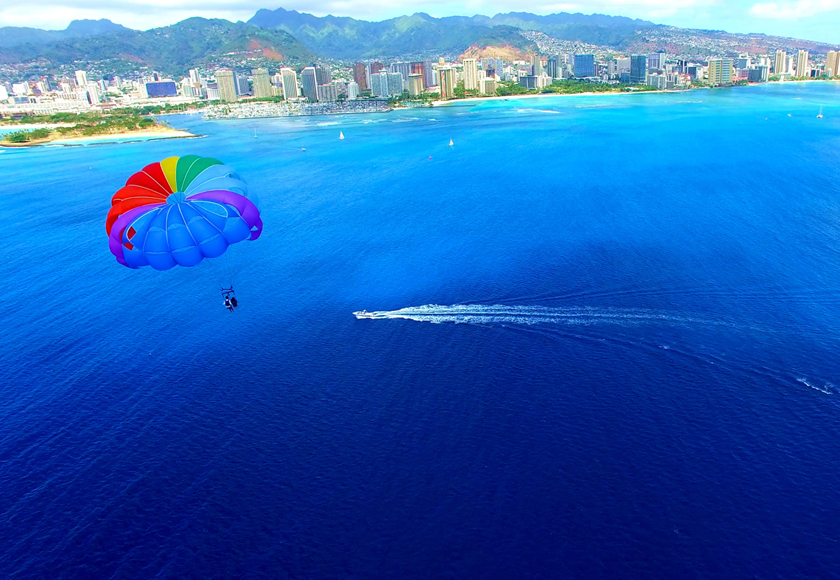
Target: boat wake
600, 325
536, 315
825, 389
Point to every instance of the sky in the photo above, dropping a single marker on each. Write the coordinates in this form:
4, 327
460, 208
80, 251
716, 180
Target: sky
807, 19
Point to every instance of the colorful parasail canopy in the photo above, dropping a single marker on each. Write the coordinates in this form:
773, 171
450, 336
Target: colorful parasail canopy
180, 211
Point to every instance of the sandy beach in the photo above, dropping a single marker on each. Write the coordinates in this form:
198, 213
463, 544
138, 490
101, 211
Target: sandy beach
142, 135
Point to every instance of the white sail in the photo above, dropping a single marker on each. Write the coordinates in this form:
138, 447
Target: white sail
451, 143
340, 135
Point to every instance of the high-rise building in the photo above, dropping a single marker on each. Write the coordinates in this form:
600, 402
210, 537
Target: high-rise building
721, 71
552, 67
161, 89
470, 74
187, 89
760, 74
309, 83
376, 85
832, 63
638, 69
290, 88
803, 69
584, 65
360, 76
428, 74
373, 68
656, 60
536, 65
227, 86
327, 93
94, 96
415, 84
243, 85
195, 77
781, 61
488, 86
396, 84
379, 84
323, 75
404, 68
657, 80
81, 79
447, 82
352, 90
262, 85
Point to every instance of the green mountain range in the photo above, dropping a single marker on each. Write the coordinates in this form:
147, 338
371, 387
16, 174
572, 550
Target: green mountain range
171, 49
297, 38
348, 38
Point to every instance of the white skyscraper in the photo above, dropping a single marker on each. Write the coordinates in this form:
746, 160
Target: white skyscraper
470, 74
262, 84
802, 67
379, 84
81, 79
781, 61
93, 94
832, 64
290, 89
352, 90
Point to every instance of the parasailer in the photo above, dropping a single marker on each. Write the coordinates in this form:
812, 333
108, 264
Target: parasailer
179, 211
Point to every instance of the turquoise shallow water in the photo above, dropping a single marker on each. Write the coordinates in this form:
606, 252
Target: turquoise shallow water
606, 347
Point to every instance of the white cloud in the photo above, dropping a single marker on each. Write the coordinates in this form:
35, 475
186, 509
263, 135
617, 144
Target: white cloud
793, 10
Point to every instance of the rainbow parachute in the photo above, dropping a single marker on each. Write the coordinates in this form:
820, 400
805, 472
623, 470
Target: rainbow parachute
180, 211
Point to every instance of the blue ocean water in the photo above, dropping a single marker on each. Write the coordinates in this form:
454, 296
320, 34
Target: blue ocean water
607, 347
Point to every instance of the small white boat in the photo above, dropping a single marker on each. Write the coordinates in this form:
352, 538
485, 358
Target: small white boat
364, 314
340, 135
820, 116
451, 143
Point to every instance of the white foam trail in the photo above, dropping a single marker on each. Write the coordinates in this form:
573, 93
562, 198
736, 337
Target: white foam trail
826, 388
533, 315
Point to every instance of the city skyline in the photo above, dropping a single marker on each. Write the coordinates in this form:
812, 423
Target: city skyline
817, 21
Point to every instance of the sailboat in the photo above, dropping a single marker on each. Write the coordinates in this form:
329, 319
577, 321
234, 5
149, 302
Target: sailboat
340, 135
451, 143
820, 116
255, 132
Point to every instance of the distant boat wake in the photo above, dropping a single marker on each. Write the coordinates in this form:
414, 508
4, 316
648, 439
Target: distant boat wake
540, 318
535, 315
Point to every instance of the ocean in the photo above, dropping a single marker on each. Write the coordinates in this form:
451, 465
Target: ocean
606, 346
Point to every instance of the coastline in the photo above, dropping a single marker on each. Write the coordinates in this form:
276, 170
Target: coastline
592, 94
541, 95
155, 134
